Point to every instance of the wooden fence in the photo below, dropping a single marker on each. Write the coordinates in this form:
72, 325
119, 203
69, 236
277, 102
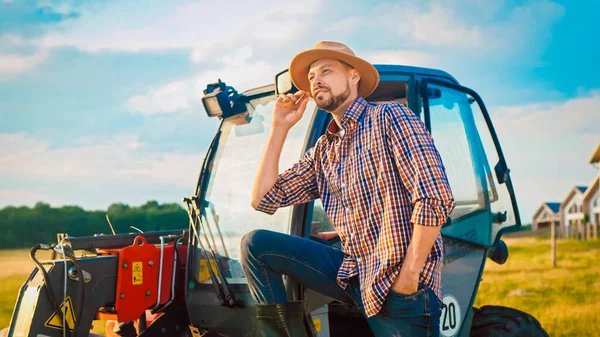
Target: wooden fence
581, 232
538, 233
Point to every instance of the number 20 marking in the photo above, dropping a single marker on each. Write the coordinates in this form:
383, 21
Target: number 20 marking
449, 317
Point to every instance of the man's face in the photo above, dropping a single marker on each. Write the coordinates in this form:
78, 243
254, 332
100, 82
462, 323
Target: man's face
330, 82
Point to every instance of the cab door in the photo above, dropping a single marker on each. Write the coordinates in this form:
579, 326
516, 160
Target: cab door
479, 177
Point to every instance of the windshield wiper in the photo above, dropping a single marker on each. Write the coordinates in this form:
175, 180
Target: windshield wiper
224, 293
215, 217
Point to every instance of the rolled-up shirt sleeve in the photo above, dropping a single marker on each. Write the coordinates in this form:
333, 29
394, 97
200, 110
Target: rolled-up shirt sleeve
296, 185
420, 166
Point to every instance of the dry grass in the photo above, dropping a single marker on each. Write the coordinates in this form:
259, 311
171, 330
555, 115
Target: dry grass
17, 262
15, 266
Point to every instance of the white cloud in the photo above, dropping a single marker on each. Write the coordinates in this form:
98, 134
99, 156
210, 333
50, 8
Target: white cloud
547, 146
61, 8
526, 28
15, 63
460, 31
169, 98
189, 27
440, 27
117, 159
15, 39
550, 120
186, 94
27, 196
408, 57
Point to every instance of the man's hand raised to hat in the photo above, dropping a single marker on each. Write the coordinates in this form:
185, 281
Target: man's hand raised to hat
289, 109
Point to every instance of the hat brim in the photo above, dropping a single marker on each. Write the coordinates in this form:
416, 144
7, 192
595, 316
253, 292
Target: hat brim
369, 76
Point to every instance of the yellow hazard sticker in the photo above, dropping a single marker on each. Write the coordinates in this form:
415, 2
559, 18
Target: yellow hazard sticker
55, 322
137, 277
317, 323
195, 331
204, 273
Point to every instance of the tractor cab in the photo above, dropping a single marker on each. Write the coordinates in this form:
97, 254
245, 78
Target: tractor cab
463, 133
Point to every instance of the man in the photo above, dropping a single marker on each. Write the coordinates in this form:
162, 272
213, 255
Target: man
384, 188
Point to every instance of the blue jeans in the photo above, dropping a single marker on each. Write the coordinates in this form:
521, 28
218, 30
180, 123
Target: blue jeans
267, 255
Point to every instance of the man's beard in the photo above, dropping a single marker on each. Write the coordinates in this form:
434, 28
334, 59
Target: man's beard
334, 102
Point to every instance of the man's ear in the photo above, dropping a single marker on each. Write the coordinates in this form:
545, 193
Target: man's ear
354, 76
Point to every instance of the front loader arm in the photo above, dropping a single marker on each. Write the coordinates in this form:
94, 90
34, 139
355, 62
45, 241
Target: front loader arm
34, 314
127, 276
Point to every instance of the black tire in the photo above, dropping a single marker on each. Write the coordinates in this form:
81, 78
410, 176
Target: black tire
495, 321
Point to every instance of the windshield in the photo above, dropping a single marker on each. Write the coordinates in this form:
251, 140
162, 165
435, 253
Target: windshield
229, 215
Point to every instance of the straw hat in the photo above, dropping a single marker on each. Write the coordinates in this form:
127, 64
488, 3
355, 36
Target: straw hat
369, 77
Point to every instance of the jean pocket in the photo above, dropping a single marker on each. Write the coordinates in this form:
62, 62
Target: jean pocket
407, 297
405, 306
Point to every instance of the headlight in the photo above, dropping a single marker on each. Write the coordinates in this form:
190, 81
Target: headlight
222, 101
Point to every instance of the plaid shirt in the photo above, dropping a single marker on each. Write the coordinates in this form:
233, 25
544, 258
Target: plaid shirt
375, 182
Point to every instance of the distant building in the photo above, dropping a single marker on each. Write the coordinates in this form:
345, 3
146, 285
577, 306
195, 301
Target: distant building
578, 215
571, 211
546, 214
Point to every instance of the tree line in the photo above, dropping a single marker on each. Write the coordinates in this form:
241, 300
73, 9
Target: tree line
24, 227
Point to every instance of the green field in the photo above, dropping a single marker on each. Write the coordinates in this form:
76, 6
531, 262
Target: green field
566, 300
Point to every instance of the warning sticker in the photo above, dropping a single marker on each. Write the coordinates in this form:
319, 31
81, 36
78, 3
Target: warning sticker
204, 273
136, 274
56, 322
317, 323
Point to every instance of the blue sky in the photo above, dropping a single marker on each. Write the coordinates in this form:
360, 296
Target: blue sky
100, 100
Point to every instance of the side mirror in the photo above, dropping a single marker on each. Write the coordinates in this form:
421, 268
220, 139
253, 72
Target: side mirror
283, 83
499, 253
434, 93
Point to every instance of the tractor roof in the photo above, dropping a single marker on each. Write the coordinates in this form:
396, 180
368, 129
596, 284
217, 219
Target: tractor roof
383, 70
397, 68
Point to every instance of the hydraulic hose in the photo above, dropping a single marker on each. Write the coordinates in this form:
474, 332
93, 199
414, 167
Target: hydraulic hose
49, 290
71, 256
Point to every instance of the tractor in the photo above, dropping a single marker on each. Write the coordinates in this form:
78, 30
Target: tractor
189, 282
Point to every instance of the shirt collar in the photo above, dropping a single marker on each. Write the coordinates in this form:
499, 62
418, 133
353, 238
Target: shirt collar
351, 116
